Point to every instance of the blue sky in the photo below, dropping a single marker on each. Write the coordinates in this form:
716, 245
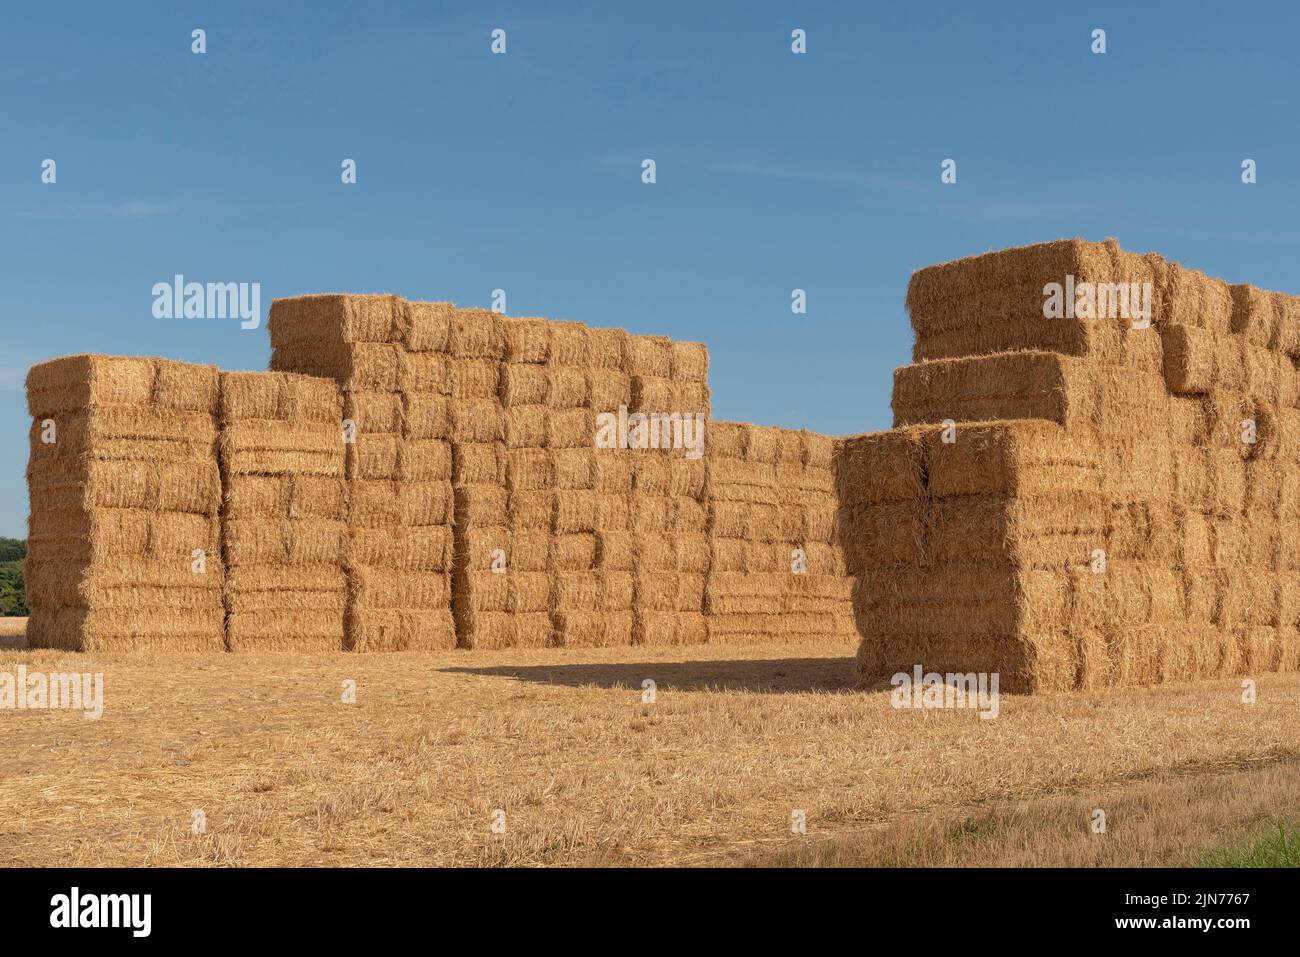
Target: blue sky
522, 171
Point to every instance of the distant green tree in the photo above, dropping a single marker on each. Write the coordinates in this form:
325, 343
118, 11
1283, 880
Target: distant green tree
12, 549
13, 597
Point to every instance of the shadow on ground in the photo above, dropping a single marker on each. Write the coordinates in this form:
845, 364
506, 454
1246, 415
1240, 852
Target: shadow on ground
777, 675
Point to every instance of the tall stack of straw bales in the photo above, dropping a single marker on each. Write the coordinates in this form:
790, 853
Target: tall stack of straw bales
285, 509
1081, 502
539, 542
389, 359
124, 545
668, 518
583, 488
778, 571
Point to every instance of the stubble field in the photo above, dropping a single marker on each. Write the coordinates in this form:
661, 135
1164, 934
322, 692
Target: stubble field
737, 739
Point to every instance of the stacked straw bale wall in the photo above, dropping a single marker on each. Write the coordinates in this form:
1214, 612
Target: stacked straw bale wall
1080, 503
777, 571
124, 545
389, 359
284, 511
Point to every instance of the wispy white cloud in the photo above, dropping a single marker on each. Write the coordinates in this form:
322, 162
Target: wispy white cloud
131, 209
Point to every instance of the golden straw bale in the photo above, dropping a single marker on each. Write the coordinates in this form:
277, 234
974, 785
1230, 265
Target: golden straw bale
528, 340
426, 326
476, 333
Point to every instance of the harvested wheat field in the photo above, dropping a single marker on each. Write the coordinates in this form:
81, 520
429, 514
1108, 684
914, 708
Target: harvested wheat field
710, 772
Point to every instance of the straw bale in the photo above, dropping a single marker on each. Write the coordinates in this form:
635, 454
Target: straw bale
798, 479
763, 443
359, 366
819, 451
736, 520
691, 587
610, 470
75, 383
693, 552
885, 533
485, 463
569, 343
305, 541
1186, 423
652, 474
1025, 385
568, 387
525, 426
473, 378
126, 433
110, 534
486, 629
1255, 315
426, 326
573, 552
125, 583
615, 550
744, 555
1197, 361
590, 591
649, 356
570, 428
654, 394
648, 513
656, 552
513, 591
418, 549
690, 362
568, 468
390, 629
374, 457
576, 511
432, 372
1288, 324
613, 512
476, 333
592, 629
688, 477
162, 628
285, 496
524, 385
726, 441
655, 628
376, 413
271, 447
377, 587
691, 516
1101, 340
528, 339
531, 469
477, 420
331, 319
534, 509
609, 390
171, 487
246, 583
1010, 458
278, 628
606, 349
879, 467
279, 395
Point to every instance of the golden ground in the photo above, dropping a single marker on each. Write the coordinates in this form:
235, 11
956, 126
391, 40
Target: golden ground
737, 739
